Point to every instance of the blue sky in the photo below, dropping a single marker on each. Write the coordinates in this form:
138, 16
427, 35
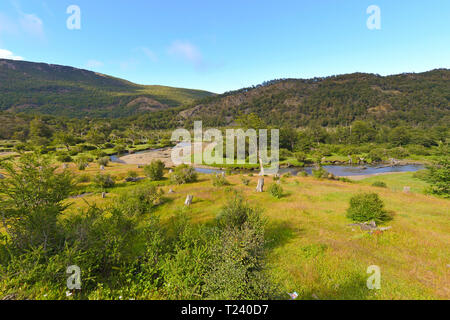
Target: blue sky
220, 45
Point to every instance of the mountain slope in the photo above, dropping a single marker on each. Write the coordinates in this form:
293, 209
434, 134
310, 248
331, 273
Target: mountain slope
59, 90
339, 100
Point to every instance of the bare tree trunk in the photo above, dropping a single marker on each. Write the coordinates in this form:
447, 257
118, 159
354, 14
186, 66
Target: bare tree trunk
260, 187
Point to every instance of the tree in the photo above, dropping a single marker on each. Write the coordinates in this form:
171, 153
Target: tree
399, 136
40, 133
32, 196
65, 138
155, 170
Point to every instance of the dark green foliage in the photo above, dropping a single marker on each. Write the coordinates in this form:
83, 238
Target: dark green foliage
183, 174
245, 181
103, 161
32, 196
439, 177
237, 269
155, 170
367, 207
379, 184
64, 157
275, 190
219, 181
104, 181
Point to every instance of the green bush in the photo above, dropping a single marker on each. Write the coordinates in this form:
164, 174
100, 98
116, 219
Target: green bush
439, 177
155, 170
379, 184
64, 157
104, 181
219, 181
103, 161
275, 190
245, 181
367, 207
183, 174
83, 178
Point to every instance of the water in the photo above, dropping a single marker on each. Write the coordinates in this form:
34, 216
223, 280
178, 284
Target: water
346, 171
337, 170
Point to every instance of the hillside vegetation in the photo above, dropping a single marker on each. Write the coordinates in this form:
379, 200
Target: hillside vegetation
417, 99
65, 91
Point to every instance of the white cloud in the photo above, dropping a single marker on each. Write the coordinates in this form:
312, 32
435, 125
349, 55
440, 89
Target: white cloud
187, 51
32, 24
93, 64
6, 54
150, 54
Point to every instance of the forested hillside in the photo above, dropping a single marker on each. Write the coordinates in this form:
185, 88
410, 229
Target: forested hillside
339, 100
65, 91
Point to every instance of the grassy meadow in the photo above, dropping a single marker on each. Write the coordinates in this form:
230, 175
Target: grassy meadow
311, 247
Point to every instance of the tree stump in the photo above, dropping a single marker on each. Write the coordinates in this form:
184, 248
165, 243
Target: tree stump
170, 171
407, 190
103, 195
171, 191
260, 187
102, 168
189, 200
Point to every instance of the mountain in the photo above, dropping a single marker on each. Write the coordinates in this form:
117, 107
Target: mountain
65, 91
417, 99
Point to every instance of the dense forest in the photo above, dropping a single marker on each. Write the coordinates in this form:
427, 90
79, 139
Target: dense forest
417, 99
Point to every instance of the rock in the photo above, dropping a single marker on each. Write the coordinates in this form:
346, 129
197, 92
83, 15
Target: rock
102, 168
407, 190
171, 191
2, 176
189, 200
103, 195
260, 187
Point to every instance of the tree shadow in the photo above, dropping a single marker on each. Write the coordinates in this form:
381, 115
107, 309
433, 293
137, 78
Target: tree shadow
353, 288
278, 233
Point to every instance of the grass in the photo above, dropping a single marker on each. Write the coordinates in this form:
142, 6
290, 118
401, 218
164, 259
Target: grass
311, 248
397, 181
314, 252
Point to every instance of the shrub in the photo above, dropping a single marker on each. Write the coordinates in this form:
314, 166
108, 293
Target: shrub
377, 155
82, 162
379, 184
104, 181
245, 181
132, 174
64, 157
320, 173
219, 181
83, 178
183, 174
155, 170
439, 177
103, 161
367, 207
276, 190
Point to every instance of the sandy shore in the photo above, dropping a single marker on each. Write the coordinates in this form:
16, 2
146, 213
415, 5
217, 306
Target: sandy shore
147, 157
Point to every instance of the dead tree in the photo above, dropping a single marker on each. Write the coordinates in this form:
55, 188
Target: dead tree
260, 187
189, 200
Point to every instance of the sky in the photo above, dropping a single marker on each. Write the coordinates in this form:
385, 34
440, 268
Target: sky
222, 45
